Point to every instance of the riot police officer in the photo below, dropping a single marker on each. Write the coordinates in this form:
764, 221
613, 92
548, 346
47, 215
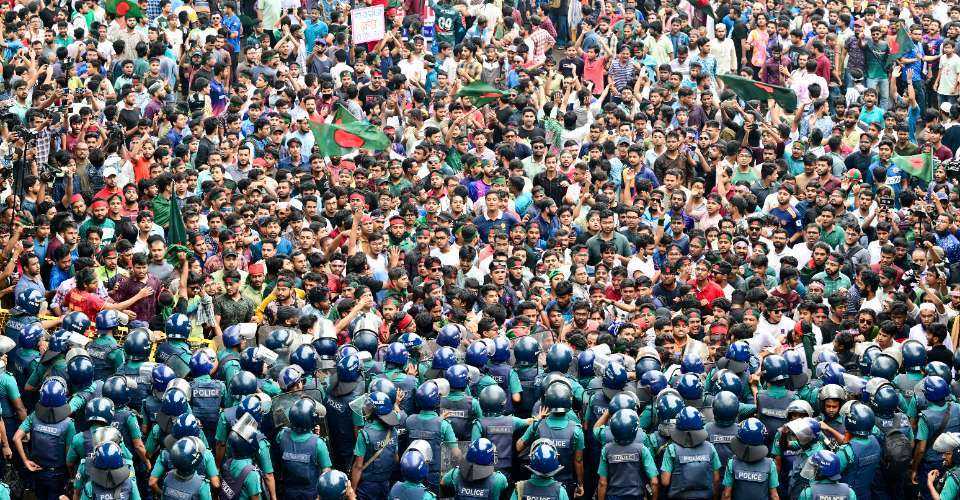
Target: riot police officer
691, 466
626, 467
526, 353
750, 473
207, 395
941, 416
105, 352
185, 427
477, 478
303, 455
477, 357
343, 387
498, 427
26, 356
335, 485
99, 413
773, 400
894, 426
376, 449
428, 426
860, 457
563, 433
136, 348
183, 482
544, 464
27, 305
414, 470
504, 375
50, 429
241, 478
175, 351
826, 482
175, 402
914, 359
723, 430
396, 359
160, 377
111, 477
228, 358
366, 341
613, 381
461, 408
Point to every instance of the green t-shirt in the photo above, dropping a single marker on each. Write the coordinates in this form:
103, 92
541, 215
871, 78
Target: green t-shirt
208, 465
448, 22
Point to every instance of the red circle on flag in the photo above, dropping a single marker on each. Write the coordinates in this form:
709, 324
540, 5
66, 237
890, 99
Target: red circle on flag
123, 8
345, 139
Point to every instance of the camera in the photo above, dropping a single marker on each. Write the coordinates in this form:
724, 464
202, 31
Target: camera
885, 201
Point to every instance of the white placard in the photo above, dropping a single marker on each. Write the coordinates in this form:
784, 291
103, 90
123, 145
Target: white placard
367, 24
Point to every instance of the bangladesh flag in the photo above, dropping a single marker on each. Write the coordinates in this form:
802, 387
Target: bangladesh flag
750, 90
919, 166
340, 139
123, 8
705, 7
900, 45
480, 93
343, 115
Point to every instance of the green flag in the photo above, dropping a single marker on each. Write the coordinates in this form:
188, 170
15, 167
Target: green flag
480, 93
919, 166
343, 115
750, 90
900, 45
341, 139
123, 8
176, 231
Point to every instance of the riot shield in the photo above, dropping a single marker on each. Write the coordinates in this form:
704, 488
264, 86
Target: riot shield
281, 406
180, 369
448, 461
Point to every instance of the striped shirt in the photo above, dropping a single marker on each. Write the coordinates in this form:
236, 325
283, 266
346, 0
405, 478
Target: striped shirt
621, 72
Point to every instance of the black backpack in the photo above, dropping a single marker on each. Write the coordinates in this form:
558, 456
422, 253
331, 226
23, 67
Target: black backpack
897, 452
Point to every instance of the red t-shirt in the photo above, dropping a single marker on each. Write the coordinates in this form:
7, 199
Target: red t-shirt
85, 302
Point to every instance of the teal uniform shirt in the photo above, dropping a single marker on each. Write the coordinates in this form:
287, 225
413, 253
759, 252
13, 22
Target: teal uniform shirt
484, 382
923, 431
57, 366
446, 430
649, 464
544, 481
77, 452
908, 405
773, 481
81, 478
116, 357
27, 425
426, 494
228, 369
951, 485
452, 479
807, 494
208, 464
8, 392
474, 407
4, 491
321, 454
251, 485
846, 455
476, 432
81, 398
557, 422
34, 356
670, 458
155, 441
133, 426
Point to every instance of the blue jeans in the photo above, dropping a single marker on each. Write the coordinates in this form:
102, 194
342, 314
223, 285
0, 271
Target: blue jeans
559, 19
373, 490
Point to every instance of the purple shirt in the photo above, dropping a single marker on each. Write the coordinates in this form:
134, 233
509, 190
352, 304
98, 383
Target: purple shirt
145, 308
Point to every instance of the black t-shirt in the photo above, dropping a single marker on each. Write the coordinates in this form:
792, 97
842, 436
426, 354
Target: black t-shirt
571, 67
529, 134
370, 97
130, 118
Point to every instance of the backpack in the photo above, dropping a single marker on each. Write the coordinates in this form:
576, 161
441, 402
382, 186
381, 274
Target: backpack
897, 452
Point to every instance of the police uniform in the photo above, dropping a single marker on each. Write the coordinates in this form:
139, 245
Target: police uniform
527, 377
81, 446
691, 470
428, 426
407, 384
228, 365
227, 419
207, 399
174, 353
131, 369
751, 480
720, 436
206, 470
772, 404
194, 487
48, 443
566, 437
488, 488
506, 377
821, 489
500, 431
125, 491
107, 356
859, 463
540, 488
928, 423
629, 469
462, 410
243, 477
303, 456
405, 490
341, 421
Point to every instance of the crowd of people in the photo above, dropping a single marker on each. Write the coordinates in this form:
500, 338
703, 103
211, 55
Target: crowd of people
683, 249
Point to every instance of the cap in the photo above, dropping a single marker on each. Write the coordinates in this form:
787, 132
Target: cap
946, 107
110, 171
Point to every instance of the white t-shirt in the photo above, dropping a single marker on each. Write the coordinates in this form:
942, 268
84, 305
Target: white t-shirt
949, 69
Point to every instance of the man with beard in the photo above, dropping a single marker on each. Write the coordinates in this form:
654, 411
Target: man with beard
283, 294
816, 263
254, 287
608, 235
139, 278
67, 236
232, 307
668, 291
98, 218
397, 235
831, 277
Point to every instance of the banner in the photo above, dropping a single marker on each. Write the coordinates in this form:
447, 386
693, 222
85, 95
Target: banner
368, 24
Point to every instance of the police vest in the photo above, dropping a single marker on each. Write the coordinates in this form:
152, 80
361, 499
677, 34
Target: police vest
500, 373
383, 467
100, 356
829, 491
475, 490
692, 475
499, 430
528, 392
534, 492
751, 479
48, 442
427, 429
562, 440
773, 411
301, 471
402, 491
175, 488
121, 492
721, 436
934, 418
626, 476
205, 397
460, 415
863, 466
340, 422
